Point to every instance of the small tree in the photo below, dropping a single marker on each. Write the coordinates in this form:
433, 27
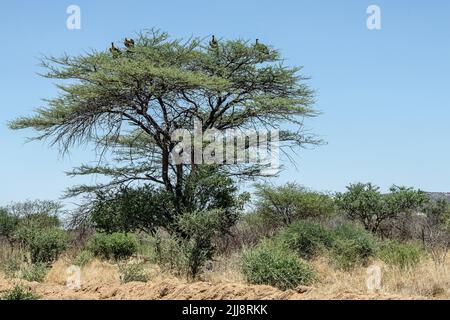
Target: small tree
36, 226
366, 204
282, 205
363, 203
404, 205
435, 230
37, 213
35, 207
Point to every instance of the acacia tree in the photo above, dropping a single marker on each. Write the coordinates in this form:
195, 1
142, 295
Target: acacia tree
365, 203
284, 204
130, 100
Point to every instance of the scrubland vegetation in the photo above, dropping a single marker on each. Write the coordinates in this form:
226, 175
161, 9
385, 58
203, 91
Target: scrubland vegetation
291, 238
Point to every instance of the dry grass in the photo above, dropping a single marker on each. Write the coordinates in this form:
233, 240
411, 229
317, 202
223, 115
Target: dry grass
8, 253
225, 269
335, 281
96, 271
101, 272
426, 280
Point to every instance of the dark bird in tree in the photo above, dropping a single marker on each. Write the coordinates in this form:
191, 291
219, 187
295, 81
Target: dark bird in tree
129, 43
261, 47
114, 50
213, 43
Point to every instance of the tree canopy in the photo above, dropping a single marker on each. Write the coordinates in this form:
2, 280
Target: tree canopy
365, 203
129, 100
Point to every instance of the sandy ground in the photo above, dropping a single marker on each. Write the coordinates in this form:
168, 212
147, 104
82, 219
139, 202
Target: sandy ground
170, 290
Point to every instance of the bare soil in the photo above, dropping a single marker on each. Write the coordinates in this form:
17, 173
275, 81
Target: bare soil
171, 290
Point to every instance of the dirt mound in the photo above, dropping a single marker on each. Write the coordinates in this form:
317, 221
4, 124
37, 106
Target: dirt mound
168, 290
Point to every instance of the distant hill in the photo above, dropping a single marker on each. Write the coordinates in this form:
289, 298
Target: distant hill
439, 195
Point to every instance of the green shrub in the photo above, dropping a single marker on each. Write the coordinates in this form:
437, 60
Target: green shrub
271, 264
130, 209
352, 245
198, 229
83, 258
44, 245
132, 273
307, 238
147, 208
402, 255
165, 251
17, 268
345, 254
115, 246
34, 272
19, 293
365, 242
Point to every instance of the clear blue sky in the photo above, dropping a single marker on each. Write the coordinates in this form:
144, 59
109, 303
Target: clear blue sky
384, 94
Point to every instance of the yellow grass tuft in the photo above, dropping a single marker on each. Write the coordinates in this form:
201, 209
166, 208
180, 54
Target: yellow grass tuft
96, 271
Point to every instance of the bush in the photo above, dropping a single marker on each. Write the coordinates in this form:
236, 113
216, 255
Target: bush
186, 256
165, 251
130, 209
307, 238
274, 265
405, 256
83, 258
44, 245
352, 245
132, 273
345, 254
34, 272
115, 246
148, 208
19, 293
207, 189
198, 229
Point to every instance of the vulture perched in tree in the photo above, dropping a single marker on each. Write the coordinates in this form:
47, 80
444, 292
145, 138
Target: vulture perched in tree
261, 47
114, 50
129, 43
213, 43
